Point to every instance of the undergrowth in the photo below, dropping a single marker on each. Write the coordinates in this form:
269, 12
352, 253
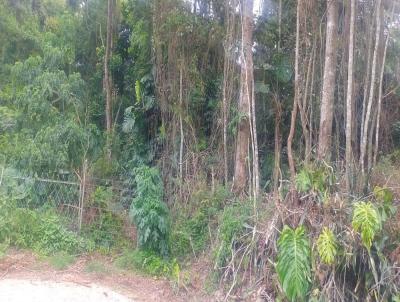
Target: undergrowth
41, 230
194, 227
148, 262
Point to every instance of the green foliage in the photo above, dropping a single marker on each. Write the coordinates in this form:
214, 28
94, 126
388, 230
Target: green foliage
149, 212
231, 226
3, 249
366, 221
385, 206
294, 263
46, 106
191, 231
147, 262
106, 227
327, 246
315, 180
42, 231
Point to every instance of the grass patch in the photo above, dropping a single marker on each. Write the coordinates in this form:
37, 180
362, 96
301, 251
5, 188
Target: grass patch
61, 260
3, 250
148, 263
96, 267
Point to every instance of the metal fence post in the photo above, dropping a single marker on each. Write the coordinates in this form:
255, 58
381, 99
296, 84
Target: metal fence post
82, 188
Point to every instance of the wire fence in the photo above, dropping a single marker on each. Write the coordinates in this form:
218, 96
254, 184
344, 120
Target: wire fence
83, 203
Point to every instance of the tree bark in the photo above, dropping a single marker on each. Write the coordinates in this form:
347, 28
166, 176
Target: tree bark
107, 82
295, 99
380, 92
328, 86
277, 143
228, 79
245, 101
349, 99
364, 134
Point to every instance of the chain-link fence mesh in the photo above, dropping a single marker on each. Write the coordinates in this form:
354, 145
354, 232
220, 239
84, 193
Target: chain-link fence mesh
96, 206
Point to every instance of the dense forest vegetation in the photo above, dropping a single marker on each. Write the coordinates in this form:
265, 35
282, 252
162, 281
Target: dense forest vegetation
260, 139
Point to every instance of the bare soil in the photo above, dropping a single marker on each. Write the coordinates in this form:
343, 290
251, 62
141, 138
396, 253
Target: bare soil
25, 266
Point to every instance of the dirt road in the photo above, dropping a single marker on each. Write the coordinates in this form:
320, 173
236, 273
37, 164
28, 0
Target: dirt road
12, 290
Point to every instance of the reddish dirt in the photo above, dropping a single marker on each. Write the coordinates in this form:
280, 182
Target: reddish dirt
26, 266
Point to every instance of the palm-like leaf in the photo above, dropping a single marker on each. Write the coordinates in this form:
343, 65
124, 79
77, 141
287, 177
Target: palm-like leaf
294, 263
366, 221
327, 246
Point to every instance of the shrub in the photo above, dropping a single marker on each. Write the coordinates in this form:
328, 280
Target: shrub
42, 231
315, 180
191, 231
105, 228
149, 212
231, 227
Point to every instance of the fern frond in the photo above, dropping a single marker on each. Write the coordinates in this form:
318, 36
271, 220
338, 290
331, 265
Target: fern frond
366, 222
327, 246
294, 263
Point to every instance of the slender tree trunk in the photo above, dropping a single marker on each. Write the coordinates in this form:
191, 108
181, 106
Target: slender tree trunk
349, 99
328, 86
380, 92
278, 143
181, 122
228, 79
245, 101
366, 81
303, 112
107, 82
295, 100
364, 134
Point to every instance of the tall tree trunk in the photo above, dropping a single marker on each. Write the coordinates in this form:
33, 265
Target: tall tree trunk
328, 86
303, 111
107, 82
380, 91
245, 101
349, 99
295, 99
365, 127
366, 79
278, 144
181, 122
228, 77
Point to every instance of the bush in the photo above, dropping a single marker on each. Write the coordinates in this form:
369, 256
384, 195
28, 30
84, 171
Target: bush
106, 227
149, 212
42, 231
231, 226
316, 180
191, 232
